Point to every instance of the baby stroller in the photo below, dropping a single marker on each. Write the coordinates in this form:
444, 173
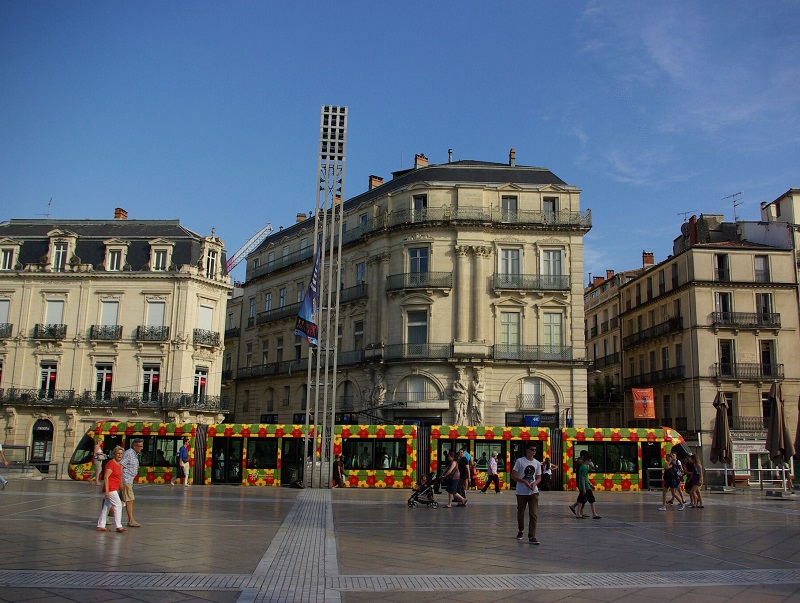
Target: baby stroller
423, 493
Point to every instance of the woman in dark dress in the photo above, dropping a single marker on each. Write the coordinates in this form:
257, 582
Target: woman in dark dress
451, 478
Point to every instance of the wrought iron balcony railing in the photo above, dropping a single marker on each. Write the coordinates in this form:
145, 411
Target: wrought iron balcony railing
232, 333
531, 282
419, 280
353, 293
277, 313
5, 330
671, 325
152, 333
530, 401
532, 352
402, 351
608, 360
746, 320
662, 376
106, 332
349, 358
205, 337
751, 371
38, 397
289, 367
281, 262
53, 331
748, 423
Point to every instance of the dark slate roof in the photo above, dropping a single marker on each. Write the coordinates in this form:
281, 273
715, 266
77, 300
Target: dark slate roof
89, 245
465, 171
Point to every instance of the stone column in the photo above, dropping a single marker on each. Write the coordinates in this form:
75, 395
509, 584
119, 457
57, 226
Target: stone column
462, 301
383, 263
479, 308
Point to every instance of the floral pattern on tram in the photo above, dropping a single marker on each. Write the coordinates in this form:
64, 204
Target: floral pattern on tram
377, 456
123, 433
620, 467
489, 437
251, 474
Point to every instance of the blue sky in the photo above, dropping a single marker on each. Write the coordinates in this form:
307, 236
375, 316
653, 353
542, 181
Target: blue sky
209, 111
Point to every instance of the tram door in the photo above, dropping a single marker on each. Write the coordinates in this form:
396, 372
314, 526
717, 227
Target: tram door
651, 460
292, 460
226, 461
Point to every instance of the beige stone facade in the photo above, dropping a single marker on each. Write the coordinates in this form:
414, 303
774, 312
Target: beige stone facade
106, 319
460, 303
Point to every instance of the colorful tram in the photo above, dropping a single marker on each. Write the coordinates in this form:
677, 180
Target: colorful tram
376, 456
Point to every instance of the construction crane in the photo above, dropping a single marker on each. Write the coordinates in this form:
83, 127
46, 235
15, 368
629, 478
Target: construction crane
251, 244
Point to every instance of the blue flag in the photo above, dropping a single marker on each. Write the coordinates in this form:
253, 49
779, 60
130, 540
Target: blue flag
306, 323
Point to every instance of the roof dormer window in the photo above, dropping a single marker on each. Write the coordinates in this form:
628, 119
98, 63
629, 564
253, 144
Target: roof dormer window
116, 255
59, 257
160, 255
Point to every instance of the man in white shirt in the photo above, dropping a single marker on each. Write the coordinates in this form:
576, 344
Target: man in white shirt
527, 472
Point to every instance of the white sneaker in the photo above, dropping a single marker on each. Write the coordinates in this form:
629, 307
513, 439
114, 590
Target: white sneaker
681, 507
662, 508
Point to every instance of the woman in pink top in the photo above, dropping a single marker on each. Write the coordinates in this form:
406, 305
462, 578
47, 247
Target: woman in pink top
113, 481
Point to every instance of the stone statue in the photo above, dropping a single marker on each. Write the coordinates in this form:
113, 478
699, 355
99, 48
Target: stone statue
460, 398
379, 392
478, 397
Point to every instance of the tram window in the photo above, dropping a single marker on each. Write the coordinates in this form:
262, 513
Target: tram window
158, 451
609, 457
484, 450
262, 453
374, 454
84, 452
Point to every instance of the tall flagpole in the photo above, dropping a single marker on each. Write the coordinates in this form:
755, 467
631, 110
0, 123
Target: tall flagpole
322, 357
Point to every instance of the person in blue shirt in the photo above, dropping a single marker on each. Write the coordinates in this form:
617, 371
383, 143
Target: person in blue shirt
183, 459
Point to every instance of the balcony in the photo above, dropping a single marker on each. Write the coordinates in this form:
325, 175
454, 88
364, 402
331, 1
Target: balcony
530, 401
530, 282
428, 399
285, 367
748, 423
350, 358
38, 397
671, 325
5, 330
152, 333
227, 374
534, 353
747, 371
746, 320
353, 293
205, 337
278, 313
608, 360
56, 332
105, 333
419, 280
655, 377
232, 333
403, 351
280, 263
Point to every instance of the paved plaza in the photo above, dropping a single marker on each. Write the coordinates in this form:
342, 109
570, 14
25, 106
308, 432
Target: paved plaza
229, 544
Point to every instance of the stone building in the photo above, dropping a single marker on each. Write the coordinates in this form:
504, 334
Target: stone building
106, 319
460, 303
718, 317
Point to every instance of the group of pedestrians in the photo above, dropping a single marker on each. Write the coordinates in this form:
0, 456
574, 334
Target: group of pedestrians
673, 479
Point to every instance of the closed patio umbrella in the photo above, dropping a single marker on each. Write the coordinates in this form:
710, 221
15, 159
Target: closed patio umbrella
779, 440
721, 445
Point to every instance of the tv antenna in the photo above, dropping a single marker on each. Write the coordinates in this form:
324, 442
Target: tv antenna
685, 213
49, 207
736, 203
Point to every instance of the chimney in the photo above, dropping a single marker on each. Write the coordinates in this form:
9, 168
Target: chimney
647, 258
120, 214
597, 280
301, 218
512, 157
609, 275
420, 161
375, 182
693, 230
449, 155
337, 200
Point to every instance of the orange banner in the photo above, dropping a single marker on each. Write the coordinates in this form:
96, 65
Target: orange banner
644, 404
